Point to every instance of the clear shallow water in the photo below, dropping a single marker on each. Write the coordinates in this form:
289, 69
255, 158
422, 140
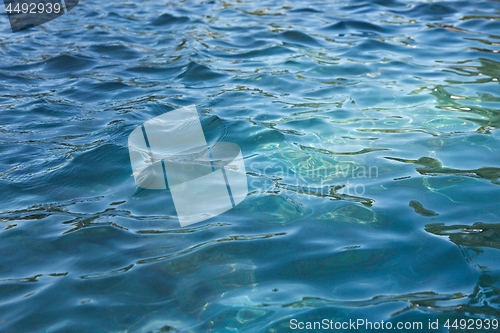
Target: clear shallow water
370, 137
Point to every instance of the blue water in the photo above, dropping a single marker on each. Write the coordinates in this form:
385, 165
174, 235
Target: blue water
369, 131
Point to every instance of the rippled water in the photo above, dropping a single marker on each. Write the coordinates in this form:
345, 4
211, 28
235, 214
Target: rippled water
370, 136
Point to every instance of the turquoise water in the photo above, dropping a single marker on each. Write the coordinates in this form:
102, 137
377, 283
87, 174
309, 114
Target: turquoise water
369, 131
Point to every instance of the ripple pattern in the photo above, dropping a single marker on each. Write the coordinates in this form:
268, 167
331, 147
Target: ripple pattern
370, 135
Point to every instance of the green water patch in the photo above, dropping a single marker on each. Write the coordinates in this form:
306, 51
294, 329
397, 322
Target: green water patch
421, 210
476, 235
434, 167
488, 114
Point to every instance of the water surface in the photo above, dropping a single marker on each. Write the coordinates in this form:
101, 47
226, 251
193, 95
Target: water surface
369, 131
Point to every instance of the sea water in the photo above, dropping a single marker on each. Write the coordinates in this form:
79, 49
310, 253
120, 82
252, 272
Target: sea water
369, 132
